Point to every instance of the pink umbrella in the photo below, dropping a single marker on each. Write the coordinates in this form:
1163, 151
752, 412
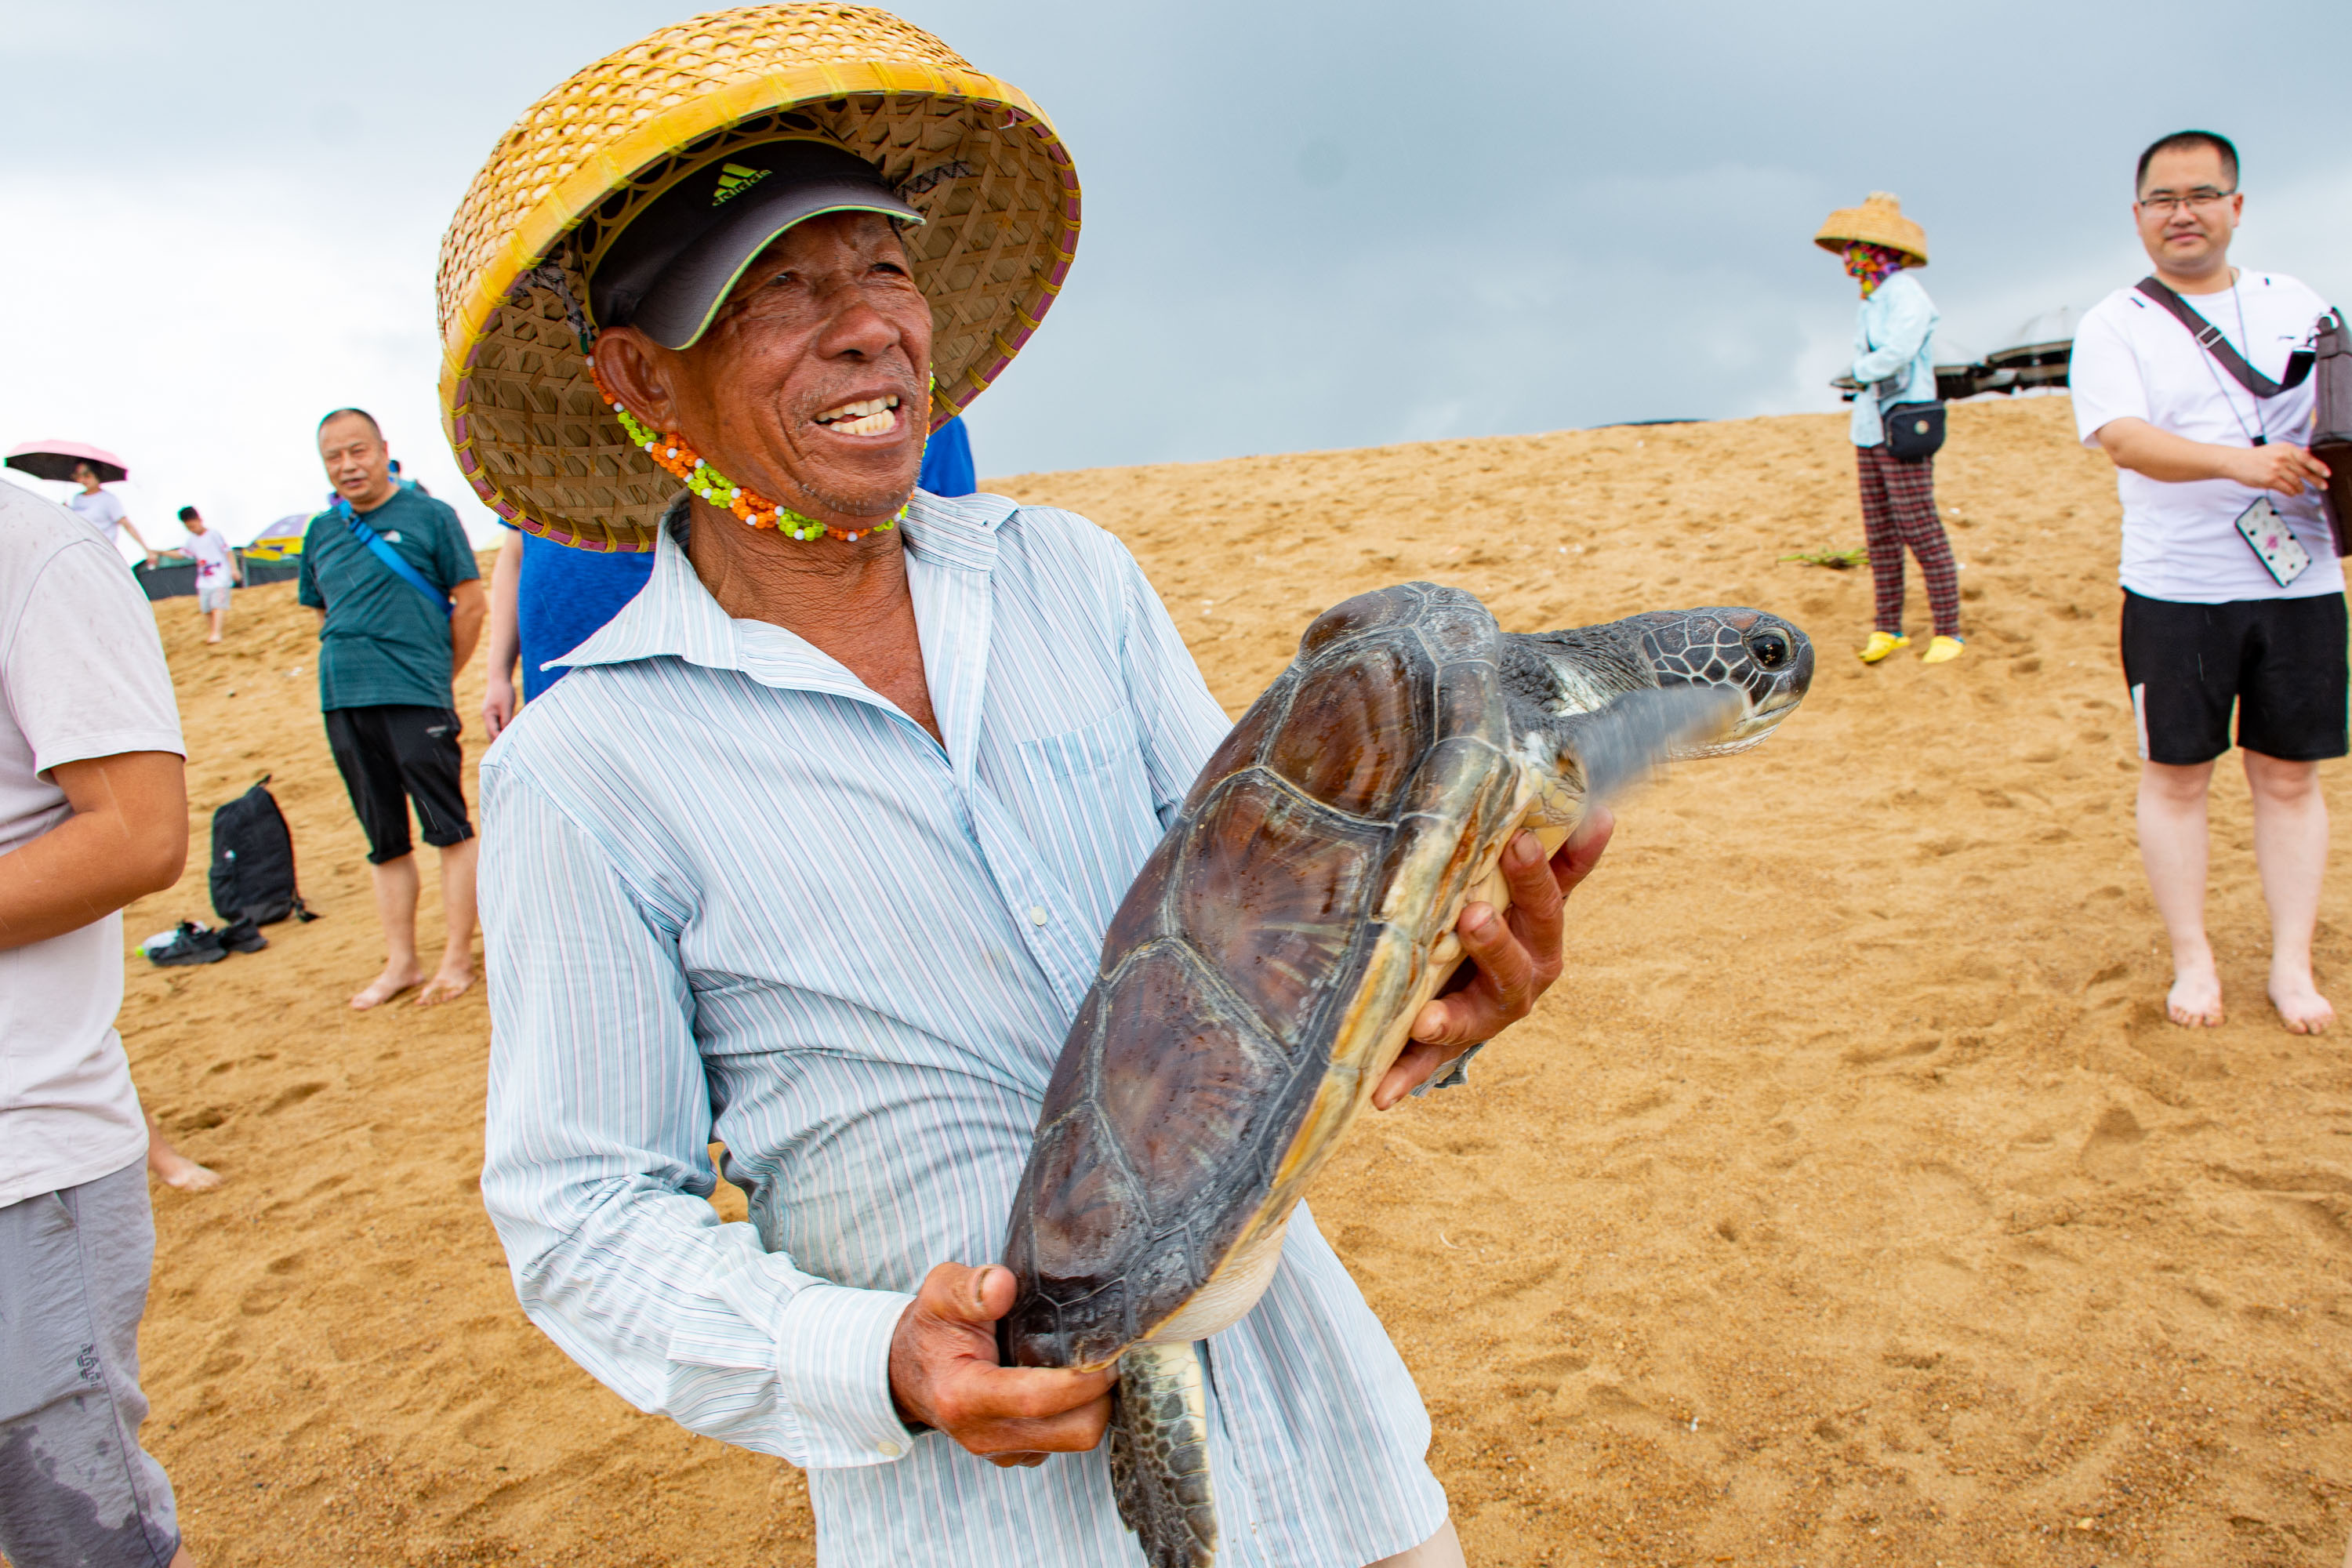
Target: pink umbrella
57, 461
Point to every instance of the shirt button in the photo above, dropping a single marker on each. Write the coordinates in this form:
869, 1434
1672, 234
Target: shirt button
1037, 915
886, 1449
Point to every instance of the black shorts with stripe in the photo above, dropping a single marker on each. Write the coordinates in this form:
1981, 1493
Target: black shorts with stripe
2280, 662
393, 754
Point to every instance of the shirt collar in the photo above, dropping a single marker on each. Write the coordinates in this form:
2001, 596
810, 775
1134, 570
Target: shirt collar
675, 616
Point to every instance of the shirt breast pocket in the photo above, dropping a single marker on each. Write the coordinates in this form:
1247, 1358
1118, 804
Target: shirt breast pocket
1087, 806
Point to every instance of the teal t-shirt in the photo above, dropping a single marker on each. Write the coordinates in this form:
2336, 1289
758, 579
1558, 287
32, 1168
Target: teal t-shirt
383, 641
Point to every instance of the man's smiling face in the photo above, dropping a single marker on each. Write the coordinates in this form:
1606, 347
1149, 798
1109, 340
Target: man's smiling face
811, 384
2187, 208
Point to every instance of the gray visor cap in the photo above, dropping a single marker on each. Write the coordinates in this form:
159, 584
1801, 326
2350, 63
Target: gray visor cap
670, 269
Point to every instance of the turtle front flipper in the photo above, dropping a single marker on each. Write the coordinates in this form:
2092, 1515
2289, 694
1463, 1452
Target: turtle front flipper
1159, 1455
1620, 744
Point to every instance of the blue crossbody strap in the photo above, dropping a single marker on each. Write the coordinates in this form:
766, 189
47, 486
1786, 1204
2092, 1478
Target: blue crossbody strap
391, 558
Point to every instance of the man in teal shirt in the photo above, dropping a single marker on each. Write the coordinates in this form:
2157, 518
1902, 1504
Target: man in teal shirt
400, 606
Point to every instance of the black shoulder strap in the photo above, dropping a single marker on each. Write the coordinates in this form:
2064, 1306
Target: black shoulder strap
2208, 338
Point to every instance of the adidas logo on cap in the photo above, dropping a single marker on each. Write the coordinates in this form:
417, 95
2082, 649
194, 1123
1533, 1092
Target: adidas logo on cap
734, 179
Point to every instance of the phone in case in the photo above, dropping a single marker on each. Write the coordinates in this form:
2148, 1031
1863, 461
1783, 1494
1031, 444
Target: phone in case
2272, 543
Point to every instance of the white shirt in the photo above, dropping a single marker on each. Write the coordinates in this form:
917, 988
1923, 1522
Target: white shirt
2133, 360
209, 551
101, 510
82, 675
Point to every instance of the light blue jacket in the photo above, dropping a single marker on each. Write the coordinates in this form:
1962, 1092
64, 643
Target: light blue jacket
1893, 357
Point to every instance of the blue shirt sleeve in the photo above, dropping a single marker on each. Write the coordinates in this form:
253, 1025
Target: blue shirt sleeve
947, 462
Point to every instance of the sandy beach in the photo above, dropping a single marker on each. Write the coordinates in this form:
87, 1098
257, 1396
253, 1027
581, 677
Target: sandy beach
1851, 1201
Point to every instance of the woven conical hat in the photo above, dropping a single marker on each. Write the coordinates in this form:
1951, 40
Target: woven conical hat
981, 161
1878, 221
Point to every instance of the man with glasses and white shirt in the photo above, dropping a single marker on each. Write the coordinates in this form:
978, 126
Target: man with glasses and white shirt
2232, 590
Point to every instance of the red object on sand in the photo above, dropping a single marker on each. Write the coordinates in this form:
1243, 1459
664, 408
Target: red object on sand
56, 460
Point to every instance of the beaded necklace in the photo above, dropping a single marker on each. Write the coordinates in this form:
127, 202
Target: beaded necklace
670, 451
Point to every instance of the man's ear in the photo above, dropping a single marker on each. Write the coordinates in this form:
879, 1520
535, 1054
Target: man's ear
637, 374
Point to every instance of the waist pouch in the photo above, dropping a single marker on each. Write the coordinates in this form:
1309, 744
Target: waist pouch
1914, 430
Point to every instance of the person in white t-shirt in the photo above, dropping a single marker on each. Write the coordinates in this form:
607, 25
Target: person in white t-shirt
103, 510
2232, 590
93, 814
215, 569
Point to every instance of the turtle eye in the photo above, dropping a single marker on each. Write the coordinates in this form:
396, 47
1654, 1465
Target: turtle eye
1770, 650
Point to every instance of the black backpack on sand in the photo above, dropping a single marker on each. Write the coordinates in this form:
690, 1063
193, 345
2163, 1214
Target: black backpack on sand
253, 861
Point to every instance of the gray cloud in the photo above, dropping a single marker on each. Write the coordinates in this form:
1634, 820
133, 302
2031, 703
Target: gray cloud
1306, 225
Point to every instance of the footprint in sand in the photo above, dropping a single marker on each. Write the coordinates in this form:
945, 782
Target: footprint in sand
2113, 1152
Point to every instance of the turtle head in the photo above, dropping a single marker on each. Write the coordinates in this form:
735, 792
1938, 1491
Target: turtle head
1599, 709
1761, 660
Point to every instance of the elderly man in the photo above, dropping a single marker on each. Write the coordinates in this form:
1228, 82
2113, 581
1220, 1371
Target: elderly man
813, 850
399, 598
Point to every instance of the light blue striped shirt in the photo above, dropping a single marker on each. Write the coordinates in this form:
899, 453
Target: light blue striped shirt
729, 893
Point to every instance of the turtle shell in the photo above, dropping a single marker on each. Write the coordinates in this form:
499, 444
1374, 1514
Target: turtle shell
1257, 980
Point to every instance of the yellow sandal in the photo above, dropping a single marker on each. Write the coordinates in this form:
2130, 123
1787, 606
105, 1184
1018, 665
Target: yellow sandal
1943, 650
1881, 644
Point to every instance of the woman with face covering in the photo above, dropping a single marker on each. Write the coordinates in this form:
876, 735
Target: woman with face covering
1894, 364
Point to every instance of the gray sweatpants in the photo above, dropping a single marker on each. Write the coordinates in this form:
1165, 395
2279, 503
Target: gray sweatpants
75, 1490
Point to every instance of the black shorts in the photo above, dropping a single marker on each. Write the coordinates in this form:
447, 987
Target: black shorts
391, 755
2281, 660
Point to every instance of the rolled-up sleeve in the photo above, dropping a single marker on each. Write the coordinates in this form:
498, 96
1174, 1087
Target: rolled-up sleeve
597, 1170
1180, 722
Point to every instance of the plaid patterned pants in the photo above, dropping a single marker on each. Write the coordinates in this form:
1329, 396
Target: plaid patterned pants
1898, 508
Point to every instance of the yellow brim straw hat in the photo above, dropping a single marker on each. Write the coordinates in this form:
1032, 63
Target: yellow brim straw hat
1878, 221
982, 162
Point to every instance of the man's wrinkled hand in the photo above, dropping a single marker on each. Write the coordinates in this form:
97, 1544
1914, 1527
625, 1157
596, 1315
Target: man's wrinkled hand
943, 1373
1516, 954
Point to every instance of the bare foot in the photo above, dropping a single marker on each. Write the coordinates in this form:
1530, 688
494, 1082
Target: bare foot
387, 986
175, 1169
172, 1168
2195, 1000
2300, 1006
212, 639
445, 986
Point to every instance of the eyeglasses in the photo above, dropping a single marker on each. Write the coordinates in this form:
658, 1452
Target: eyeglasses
2172, 200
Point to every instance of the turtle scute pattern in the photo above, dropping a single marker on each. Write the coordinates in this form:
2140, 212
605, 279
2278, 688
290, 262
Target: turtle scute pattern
1240, 951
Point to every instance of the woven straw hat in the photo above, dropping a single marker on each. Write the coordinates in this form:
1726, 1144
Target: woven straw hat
1878, 221
981, 161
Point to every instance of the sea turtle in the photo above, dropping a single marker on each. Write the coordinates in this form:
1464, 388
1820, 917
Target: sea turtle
1264, 970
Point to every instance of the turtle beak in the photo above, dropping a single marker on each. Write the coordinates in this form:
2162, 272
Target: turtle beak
1763, 719
1785, 686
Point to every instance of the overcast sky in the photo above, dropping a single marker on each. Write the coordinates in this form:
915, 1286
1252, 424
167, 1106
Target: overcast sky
1307, 224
